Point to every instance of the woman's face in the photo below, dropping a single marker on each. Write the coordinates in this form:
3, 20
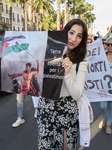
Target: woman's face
74, 36
109, 45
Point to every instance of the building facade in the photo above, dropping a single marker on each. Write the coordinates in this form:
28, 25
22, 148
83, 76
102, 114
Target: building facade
17, 19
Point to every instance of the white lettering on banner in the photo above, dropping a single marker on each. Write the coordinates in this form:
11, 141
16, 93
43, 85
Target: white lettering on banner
98, 84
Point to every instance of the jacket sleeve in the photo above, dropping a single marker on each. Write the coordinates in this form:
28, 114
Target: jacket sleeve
76, 88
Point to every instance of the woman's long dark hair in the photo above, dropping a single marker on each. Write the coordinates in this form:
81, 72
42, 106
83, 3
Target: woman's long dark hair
78, 53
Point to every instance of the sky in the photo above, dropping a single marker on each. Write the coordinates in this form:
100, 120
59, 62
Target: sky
103, 14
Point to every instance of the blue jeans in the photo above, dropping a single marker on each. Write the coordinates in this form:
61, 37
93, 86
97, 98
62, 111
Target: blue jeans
106, 115
20, 100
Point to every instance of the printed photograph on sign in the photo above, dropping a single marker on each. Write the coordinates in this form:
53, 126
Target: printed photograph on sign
30, 60
22, 62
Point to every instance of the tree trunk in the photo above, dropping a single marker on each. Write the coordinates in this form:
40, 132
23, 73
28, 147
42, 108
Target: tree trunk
81, 16
23, 15
41, 15
0, 15
73, 16
66, 12
10, 16
58, 14
30, 11
41, 12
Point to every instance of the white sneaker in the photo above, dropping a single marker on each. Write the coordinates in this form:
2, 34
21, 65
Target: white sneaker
18, 122
35, 114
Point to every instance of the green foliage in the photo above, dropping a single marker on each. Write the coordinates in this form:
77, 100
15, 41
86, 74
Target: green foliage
48, 21
42, 4
5, 27
89, 17
62, 17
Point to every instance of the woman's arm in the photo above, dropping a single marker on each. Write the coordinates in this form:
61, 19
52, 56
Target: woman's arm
76, 88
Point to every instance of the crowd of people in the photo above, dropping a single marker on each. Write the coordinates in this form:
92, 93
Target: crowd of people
58, 120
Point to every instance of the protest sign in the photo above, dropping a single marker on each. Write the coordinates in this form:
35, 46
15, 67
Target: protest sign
98, 85
39, 54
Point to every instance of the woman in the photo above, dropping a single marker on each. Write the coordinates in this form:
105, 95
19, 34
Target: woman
58, 120
107, 116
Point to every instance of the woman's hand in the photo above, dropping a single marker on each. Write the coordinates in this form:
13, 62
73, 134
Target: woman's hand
67, 64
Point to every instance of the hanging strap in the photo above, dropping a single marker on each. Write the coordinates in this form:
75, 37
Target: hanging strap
77, 67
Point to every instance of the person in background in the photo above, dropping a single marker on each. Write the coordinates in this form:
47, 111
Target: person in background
35, 104
58, 119
106, 107
104, 45
89, 41
95, 38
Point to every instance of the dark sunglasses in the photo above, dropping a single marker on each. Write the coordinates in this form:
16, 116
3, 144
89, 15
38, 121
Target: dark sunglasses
104, 43
108, 44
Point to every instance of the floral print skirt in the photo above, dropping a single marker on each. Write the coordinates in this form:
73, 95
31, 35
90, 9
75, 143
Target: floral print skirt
53, 117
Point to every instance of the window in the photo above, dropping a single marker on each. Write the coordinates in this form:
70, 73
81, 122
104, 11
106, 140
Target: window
18, 18
13, 28
13, 17
7, 20
28, 27
2, 8
18, 29
27, 18
3, 19
6, 9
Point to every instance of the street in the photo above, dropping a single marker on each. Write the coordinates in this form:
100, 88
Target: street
24, 137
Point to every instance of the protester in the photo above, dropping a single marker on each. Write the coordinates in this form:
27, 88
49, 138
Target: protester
104, 45
27, 76
35, 104
107, 112
89, 41
95, 38
58, 119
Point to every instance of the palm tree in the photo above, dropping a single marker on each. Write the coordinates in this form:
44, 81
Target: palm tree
30, 14
48, 22
88, 16
67, 3
62, 17
73, 8
41, 5
89, 7
58, 14
80, 8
